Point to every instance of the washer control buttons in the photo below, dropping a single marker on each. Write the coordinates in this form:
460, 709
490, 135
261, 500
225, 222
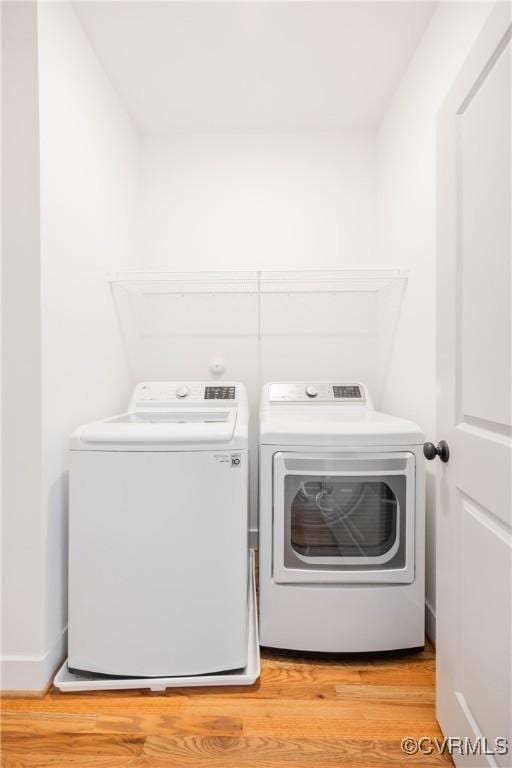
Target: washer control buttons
182, 392
311, 391
219, 393
347, 391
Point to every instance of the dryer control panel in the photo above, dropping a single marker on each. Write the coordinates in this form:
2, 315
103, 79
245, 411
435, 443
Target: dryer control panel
348, 393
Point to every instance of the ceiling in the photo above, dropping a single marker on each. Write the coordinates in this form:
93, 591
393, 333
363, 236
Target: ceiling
257, 66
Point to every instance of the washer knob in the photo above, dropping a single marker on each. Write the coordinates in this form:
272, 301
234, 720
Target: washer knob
182, 392
311, 391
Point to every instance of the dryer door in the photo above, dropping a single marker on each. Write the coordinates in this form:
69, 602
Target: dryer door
344, 517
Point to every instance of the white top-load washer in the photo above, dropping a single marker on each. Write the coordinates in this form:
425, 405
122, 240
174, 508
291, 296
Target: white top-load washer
158, 534
341, 521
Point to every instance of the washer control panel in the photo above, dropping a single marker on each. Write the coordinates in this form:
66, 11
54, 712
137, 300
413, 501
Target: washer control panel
348, 393
221, 392
169, 393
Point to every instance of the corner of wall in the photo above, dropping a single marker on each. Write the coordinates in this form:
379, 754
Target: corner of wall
430, 623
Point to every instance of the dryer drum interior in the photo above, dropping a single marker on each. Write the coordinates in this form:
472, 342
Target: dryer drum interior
348, 518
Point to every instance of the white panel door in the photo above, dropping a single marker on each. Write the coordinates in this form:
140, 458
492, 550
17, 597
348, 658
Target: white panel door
474, 515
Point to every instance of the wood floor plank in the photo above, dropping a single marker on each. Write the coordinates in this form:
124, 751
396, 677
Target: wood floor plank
294, 727
337, 727
88, 745
380, 694
48, 723
93, 702
368, 710
257, 752
63, 761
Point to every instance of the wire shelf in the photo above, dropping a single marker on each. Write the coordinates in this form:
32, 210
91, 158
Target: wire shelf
304, 281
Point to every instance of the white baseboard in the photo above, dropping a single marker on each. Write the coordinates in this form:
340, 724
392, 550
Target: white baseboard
32, 674
430, 623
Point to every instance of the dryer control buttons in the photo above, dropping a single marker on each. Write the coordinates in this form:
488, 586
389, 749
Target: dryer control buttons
182, 392
311, 391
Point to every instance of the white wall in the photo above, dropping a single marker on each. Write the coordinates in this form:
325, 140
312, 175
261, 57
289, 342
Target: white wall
88, 153
407, 223
260, 201
89, 156
22, 556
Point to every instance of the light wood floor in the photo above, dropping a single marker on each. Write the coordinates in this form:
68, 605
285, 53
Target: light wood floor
305, 712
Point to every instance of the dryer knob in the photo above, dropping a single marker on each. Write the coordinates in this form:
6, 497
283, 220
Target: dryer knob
182, 392
311, 391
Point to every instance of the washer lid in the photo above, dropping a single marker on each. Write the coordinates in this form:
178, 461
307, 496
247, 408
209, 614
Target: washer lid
147, 428
170, 417
331, 426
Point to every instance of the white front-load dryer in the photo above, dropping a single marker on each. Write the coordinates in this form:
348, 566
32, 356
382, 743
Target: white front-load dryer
158, 534
341, 521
